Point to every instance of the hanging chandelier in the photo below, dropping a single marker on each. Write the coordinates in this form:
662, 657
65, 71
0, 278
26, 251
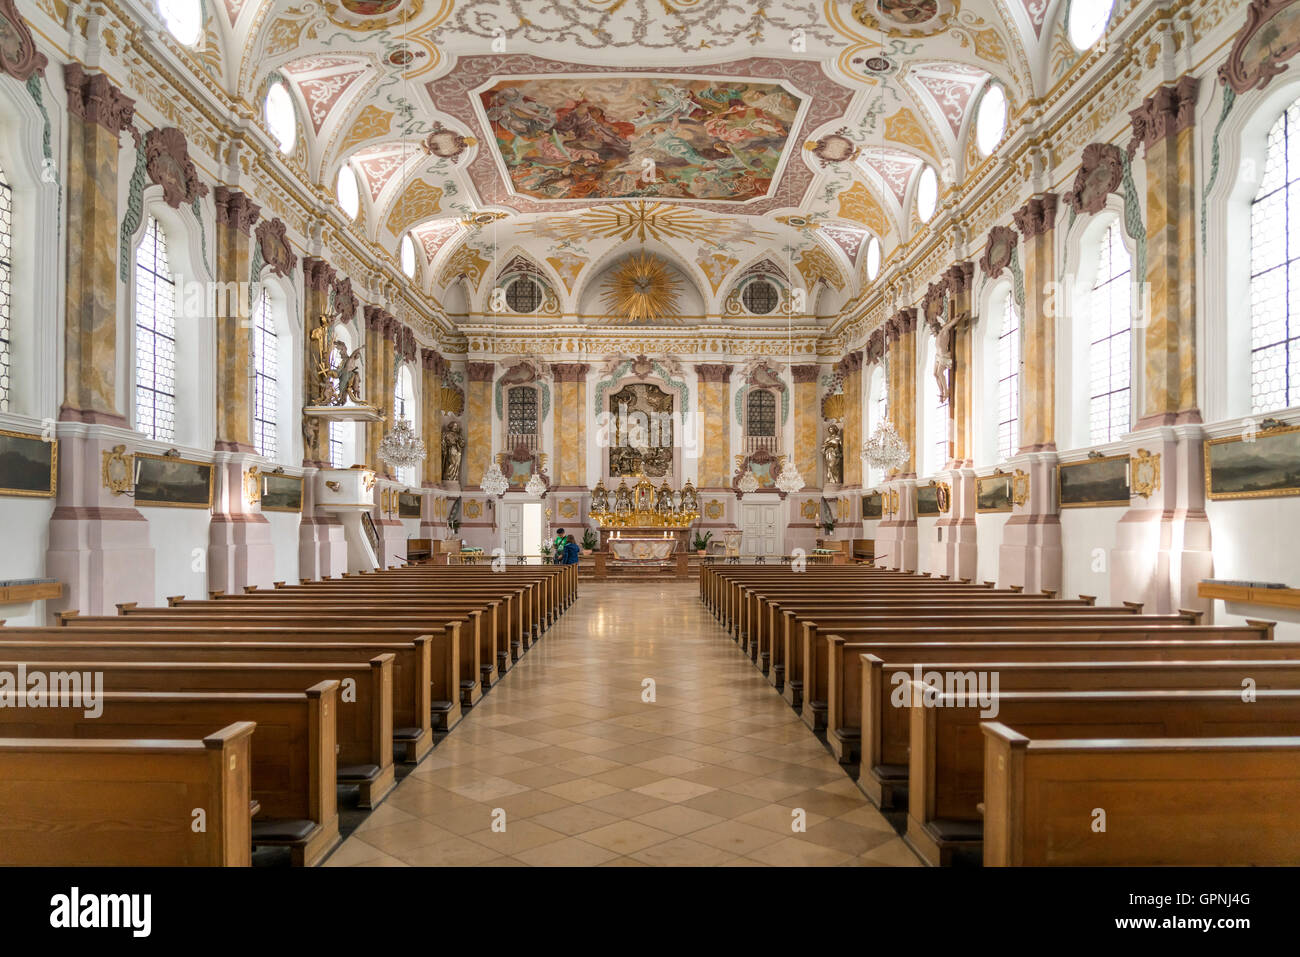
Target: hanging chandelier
535, 487
401, 447
494, 481
789, 481
748, 482
885, 449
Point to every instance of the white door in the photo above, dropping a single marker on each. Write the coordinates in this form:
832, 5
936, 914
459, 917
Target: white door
759, 523
512, 524
531, 533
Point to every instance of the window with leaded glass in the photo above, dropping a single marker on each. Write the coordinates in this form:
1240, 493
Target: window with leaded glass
521, 410
1110, 340
761, 413
336, 445
1009, 381
155, 337
1275, 272
265, 367
6, 245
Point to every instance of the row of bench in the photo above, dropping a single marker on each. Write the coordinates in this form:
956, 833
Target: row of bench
233, 722
1032, 729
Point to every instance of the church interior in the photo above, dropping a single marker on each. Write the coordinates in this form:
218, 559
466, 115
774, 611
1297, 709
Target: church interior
649, 432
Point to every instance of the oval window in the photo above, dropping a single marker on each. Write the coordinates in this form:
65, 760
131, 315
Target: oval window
927, 194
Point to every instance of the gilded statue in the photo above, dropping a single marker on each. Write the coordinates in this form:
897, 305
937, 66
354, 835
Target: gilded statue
453, 447
833, 453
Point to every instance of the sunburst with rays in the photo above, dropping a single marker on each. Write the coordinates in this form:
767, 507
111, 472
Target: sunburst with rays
642, 288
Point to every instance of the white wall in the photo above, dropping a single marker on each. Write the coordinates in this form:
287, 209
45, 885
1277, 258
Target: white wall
1256, 539
1087, 537
284, 539
988, 541
26, 524
179, 537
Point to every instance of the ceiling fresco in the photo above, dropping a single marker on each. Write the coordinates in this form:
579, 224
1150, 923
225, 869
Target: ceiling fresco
580, 130
602, 137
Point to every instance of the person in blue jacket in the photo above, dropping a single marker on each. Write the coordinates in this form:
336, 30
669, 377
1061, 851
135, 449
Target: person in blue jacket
571, 551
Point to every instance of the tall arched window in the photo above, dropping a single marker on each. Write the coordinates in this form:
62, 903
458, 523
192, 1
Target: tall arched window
1275, 272
760, 420
877, 412
521, 417
155, 337
1008, 353
265, 367
6, 244
1110, 340
403, 407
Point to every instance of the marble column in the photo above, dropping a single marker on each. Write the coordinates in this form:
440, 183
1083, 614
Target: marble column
99, 545
375, 390
806, 418
236, 214
958, 526
852, 437
896, 535
569, 471
432, 366
1030, 555
478, 419
1162, 543
387, 388
715, 427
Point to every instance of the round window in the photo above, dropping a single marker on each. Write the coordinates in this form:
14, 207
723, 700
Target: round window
760, 297
524, 295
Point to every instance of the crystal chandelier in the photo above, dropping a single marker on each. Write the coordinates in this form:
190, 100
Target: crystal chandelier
885, 449
494, 482
401, 447
535, 487
748, 482
789, 481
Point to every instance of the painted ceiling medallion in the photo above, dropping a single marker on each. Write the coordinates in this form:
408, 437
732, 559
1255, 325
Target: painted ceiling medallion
834, 148
445, 143
905, 18
373, 14
642, 288
621, 137
644, 220
1270, 37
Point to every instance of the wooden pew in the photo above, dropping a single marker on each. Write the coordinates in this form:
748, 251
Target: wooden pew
292, 751
74, 802
885, 734
1176, 801
365, 732
843, 657
946, 789
118, 639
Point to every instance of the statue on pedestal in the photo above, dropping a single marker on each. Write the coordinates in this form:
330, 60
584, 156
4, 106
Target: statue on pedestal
833, 453
453, 447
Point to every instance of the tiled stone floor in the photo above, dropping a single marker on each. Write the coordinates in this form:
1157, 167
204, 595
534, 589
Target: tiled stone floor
587, 773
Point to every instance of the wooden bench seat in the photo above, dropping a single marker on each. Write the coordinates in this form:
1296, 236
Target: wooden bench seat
75, 802
292, 753
1212, 801
843, 660
365, 712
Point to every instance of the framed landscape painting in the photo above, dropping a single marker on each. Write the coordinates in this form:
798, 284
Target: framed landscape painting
172, 482
993, 493
281, 493
1093, 483
408, 505
873, 506
931, 499
28, 465
1255, 465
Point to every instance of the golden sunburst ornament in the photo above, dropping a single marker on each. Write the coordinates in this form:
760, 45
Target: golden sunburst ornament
642, 288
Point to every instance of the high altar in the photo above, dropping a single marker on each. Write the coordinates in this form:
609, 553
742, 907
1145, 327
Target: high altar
644, 523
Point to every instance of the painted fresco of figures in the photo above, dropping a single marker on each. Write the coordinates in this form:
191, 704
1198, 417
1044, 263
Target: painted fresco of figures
833, 453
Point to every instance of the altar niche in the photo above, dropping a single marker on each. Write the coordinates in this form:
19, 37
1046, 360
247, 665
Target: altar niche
641, 431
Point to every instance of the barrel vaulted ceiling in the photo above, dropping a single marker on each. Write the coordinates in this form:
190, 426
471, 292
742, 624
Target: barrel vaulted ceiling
720, 134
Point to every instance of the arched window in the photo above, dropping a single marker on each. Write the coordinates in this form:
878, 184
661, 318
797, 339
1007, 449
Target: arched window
521, 416
873, 257
404, 408
1275, 272
347, 193
407, 253
1087, 21
155, 337
280, 117
1110, 340
877, 412
991, 120
265, 367
1008, 372
927, 194
336, 445
6, 245
184, 19
760, 413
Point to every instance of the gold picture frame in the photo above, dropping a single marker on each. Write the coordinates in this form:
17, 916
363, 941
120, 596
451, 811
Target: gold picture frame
873, 506
1104, 485
29, 465
407, 504
1253, 454
993, 493
1019, 487
172, 482
1144, 472
281, 493
115, 474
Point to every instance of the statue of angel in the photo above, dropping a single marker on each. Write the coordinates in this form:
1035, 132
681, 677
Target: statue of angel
346, 372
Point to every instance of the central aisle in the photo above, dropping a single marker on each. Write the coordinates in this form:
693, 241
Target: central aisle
587, 773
